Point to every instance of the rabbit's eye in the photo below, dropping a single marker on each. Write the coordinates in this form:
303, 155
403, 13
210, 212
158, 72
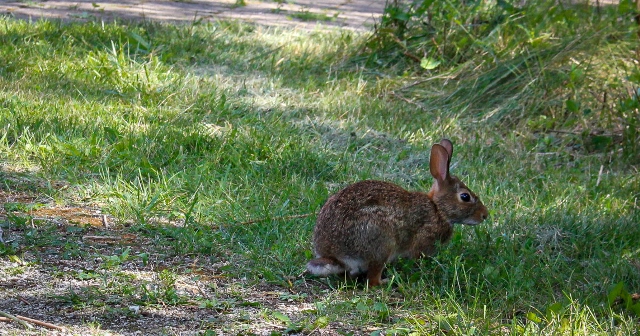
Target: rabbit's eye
465, 197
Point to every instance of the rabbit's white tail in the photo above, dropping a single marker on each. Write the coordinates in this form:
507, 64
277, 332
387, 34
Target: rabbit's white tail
325, 267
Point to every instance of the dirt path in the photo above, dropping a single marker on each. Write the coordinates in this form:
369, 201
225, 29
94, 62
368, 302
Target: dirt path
308, 14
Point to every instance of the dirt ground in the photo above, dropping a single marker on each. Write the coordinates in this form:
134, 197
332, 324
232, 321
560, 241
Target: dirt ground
84, 293
307, 14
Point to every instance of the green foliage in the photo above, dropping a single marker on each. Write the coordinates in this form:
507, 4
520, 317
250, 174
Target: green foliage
619, 292
541, 65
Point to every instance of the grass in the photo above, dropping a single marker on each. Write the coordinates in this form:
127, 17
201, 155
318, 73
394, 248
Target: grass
185, 135
306, 15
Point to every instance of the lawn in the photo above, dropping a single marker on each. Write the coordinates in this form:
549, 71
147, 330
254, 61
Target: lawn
164, 179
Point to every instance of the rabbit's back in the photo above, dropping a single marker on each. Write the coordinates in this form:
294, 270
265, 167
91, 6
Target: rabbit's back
362, 199
371, 219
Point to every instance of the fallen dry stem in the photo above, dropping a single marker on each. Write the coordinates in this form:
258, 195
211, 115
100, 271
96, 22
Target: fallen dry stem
23, 321
8, 317
277, 218
40, 323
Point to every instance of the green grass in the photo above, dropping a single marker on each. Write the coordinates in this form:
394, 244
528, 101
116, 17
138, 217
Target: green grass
185, 133
306, 15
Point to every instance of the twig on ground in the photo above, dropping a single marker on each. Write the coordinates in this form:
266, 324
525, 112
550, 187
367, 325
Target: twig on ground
565, 132
105, 222
253, 221
270, 51
581, 133
412, 56
408, 100
424, 81
204, 295
274, 325
305, 272
599, 175
40, 323
406, 51
16, 319
103, 238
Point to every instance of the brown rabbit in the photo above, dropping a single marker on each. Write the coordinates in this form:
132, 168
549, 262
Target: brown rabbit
370, 223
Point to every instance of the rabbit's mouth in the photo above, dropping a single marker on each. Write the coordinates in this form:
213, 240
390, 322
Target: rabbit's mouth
477, 217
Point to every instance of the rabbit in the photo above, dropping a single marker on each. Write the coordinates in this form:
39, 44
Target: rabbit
370, 223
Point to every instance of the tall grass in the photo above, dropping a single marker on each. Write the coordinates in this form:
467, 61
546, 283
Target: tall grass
564, 71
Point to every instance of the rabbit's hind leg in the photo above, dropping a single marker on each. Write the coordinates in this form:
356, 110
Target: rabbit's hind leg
374, 273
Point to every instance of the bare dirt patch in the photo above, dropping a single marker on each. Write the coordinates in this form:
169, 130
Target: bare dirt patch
127, 285
62, 266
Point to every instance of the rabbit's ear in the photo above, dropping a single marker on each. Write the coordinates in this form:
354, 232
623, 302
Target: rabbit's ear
439, 163
446, 143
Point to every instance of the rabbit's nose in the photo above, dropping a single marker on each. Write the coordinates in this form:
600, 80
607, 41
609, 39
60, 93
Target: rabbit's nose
484, 214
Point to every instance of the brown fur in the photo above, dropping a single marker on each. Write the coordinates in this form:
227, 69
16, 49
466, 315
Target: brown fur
369, 223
